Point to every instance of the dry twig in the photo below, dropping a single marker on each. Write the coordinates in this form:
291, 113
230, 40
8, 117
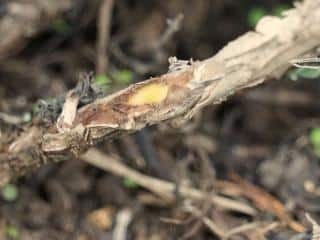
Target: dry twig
267, 202
103, 25
309, 63
315, 228
124, 218
174, 26
214, 228
162, 188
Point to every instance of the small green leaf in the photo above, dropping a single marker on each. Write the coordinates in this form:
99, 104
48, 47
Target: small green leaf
123, 77
60, 26
314, 136
254, 15
10, 192
304, 73
102, 80
129, 183
12, 232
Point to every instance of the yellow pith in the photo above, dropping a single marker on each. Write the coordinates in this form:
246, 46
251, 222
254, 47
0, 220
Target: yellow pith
150, 94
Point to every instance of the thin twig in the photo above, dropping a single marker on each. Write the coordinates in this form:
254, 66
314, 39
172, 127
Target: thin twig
11, 119
307, 63
124, 218
104, 19
174, 26
250, 226
214, 228
160, 187
241, 229
315, 228
266, 202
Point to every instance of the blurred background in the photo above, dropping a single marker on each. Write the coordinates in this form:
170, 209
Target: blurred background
264, 140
